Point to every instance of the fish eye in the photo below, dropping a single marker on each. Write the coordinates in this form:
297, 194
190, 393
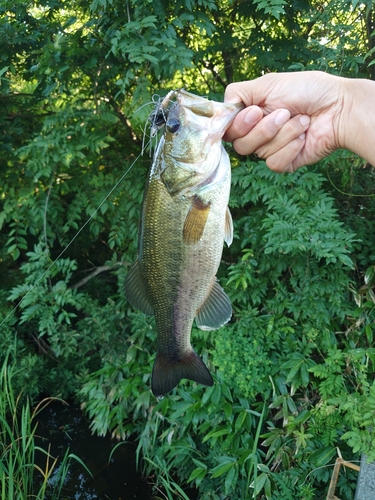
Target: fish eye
173, 125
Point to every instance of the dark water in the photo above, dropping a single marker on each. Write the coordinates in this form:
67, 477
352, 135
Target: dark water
66, 427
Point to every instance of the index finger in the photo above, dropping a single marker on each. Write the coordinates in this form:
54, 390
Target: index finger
241, 92
243, 123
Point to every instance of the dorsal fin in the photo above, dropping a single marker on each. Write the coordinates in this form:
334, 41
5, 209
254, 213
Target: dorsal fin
195, 221
216, 310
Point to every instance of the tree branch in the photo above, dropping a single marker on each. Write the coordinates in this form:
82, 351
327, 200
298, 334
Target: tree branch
16, 94
96, 271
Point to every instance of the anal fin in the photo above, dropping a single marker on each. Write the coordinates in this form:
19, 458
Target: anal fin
135, 290
216, 310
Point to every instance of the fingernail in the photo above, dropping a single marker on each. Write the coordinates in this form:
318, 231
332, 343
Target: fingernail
282, 117
302, 136
253, 115
305, 120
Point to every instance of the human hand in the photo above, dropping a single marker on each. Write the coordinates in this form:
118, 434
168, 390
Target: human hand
292, 119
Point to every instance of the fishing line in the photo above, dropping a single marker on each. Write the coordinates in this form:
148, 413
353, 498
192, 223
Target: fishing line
74, 237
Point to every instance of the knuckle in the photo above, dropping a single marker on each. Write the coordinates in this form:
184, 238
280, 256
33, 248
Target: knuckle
242, 147
295, 146
274, 164
267, 132
262, 152
232, 87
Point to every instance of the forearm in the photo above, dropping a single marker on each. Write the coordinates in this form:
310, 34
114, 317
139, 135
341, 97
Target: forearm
357, 120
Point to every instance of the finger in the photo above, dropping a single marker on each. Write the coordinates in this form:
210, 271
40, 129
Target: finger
249, 92
290, 131
282, 160
234, 93
243, 123
262, 133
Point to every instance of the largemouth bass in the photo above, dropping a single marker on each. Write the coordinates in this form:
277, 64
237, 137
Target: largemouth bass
184, 222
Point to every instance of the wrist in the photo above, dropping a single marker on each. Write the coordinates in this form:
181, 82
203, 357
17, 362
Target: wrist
356, 128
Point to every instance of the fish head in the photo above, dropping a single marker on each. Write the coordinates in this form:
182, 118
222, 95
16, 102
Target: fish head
192, 139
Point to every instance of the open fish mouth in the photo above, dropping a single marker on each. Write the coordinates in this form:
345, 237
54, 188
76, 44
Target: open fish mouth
200, 105
159, 117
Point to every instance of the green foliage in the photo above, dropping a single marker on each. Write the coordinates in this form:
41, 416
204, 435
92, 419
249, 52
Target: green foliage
207, 435
294, 368
242, 352
119, 391
295, 294
21, 475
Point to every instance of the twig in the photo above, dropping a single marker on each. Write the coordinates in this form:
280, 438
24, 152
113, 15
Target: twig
96, 271
44, 348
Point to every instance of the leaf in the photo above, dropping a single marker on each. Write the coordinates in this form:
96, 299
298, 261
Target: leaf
321, 457
215, 434
3, 70
277, 402
259, 483
347, 261
370, 272
240, 420
221, 469
231, 480
180, 408
369, 333
198, 472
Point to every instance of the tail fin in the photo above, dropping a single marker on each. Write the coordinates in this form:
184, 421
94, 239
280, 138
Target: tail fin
167, 373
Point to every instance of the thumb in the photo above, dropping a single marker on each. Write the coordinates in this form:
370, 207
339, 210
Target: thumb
249, 92
232, 95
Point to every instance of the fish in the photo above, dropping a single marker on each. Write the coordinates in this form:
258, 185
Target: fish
184, 222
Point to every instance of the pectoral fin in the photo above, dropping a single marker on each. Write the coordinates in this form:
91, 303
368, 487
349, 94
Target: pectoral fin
228, 238
135, 290
215, 311
195, 221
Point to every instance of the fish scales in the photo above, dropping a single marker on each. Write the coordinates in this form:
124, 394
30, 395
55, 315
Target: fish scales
184, 222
